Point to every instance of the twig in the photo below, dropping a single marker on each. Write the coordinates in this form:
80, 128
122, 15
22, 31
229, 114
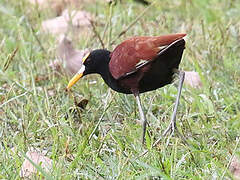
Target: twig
97, 34
133, 23
9, 59
34, 34
36, 37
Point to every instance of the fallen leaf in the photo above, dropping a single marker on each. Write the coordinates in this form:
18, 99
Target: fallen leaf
193, 79
68, 57
28, 168
56, 25
78, 18
235, 167
82, 104
69, 20
75, 111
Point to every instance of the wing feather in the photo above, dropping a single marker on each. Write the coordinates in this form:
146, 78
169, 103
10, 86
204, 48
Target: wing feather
127, 55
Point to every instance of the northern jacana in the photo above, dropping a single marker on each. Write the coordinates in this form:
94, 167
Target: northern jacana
137, 65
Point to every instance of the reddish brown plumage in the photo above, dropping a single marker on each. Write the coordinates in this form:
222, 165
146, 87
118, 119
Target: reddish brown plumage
129, 53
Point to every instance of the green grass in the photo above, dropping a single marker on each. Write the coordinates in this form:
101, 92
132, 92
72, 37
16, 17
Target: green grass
209, 118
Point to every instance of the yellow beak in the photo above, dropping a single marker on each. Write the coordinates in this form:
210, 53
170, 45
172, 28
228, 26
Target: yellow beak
76, 77
79, 74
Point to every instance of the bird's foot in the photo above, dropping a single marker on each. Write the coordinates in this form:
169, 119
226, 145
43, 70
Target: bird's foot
172, 126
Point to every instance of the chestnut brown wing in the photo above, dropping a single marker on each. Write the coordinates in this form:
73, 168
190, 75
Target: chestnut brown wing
126, 57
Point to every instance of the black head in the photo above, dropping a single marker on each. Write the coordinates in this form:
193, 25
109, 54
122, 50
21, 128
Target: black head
96, 61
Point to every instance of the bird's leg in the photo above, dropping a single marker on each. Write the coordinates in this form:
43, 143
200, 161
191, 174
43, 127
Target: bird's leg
172, 125
142, 116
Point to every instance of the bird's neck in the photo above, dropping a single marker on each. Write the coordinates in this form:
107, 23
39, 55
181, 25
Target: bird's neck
108, 78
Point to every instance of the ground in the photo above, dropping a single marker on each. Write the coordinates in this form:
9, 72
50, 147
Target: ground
103, 141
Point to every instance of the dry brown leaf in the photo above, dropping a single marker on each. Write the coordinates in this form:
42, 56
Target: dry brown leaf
82, 104
68, 57
69, 20
235, 167
78, 18
27, 167
75, 111
56, 25
193, 79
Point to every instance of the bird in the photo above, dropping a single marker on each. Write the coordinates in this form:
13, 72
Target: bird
137, 65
